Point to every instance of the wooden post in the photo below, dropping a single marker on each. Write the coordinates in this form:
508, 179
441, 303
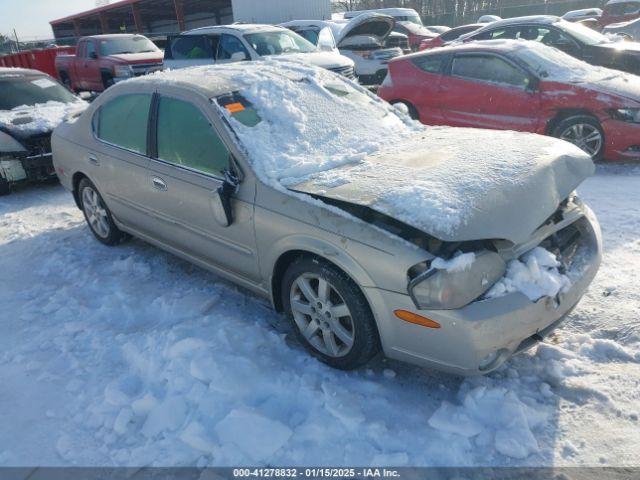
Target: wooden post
179, 5
137, 19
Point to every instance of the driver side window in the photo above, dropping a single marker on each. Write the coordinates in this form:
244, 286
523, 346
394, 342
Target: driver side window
228, 46
187, 139
90, 50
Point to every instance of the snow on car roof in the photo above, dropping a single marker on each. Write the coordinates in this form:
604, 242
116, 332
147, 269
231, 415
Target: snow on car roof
11, 71
536, 19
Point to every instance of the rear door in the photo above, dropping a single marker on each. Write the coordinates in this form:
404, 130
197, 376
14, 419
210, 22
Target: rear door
119, 158
423, 87
488, 91
185, 174
190, 50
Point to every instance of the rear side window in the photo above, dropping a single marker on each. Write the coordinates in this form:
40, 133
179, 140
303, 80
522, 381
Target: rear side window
186, 138
429, 63
123, 122
488, 68
193, 47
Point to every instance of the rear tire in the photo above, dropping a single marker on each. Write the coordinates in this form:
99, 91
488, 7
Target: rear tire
324, 303
413, 112
97, 215
583, 131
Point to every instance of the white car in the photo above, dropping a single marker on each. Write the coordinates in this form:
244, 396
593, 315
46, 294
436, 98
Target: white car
362, 39
582, 14
248, 42
629, 29
488, 18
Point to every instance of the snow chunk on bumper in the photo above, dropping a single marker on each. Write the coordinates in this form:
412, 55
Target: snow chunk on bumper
535, 274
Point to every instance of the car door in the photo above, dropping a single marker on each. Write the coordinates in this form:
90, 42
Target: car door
486, 90
184, 51
422, 89
185, 174
90, 72
117, 162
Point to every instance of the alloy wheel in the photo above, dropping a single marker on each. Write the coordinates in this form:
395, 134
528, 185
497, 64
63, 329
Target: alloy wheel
95, 212
322, 315
585, 136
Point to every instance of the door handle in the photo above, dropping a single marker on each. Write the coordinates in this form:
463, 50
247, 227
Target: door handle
158, 183
93, 160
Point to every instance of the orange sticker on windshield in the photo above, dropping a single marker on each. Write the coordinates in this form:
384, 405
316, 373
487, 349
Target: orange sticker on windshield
234, 107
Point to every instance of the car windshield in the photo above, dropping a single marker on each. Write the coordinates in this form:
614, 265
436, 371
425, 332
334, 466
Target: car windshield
296, 123
280, 42
136, 44
409, 18
19, 91
552, 64
582, 33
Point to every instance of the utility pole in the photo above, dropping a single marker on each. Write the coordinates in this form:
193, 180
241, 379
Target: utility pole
17, 41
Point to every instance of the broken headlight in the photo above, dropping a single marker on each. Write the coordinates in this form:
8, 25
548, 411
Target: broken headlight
447, 289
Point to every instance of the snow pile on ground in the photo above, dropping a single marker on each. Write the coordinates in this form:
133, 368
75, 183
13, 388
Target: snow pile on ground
130, 356
458, 263
493, 416
535, 274
42, 117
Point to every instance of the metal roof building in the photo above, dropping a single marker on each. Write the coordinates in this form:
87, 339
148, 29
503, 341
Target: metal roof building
171, 16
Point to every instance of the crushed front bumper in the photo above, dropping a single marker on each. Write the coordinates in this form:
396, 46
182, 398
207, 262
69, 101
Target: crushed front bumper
500, 326
16, 169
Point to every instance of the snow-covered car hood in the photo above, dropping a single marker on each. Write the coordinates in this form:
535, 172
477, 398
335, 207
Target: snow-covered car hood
326, 60
138, 57
41, 118
462, 184
371, 25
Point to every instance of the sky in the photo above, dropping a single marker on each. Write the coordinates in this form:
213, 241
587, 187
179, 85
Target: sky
31, 18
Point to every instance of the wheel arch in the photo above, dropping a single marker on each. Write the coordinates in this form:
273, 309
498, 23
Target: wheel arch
563, 114
75, 182
281, 258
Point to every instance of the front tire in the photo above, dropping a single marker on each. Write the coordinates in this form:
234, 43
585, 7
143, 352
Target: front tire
329, 314
583, 131
97, 215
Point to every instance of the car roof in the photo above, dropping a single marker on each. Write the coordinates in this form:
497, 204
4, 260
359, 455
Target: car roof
497, 46
532, 19
108, 36
235, 27
19, 72
310, 23
215, 80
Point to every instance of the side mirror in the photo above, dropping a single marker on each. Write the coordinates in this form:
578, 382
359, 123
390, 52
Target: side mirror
93, 56
221, 201
238, 56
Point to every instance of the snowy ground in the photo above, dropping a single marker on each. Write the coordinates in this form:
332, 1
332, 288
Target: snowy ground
129, 356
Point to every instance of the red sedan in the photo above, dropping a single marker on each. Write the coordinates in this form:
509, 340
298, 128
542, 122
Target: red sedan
525, 86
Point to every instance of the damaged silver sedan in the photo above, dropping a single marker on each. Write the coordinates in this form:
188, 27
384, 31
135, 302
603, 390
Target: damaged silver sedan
443, 247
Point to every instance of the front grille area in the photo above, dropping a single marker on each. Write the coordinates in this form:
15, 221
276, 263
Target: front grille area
145, 68
345, 71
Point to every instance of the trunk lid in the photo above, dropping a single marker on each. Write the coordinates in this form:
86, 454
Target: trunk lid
371, 25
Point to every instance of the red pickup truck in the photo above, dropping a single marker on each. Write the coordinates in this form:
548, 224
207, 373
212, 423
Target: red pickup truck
102, 60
